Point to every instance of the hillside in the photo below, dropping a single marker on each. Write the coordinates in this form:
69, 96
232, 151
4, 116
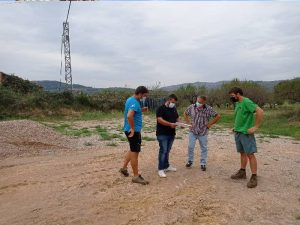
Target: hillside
55, 86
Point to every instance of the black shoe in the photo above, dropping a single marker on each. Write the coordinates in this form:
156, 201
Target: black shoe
189, 164
203, 167
124, 172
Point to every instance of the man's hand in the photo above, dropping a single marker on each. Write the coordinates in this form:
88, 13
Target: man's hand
209, 126
252, 130
173, 125
131, 133
145, 109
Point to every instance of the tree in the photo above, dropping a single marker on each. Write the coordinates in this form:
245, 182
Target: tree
252, 90
288, 90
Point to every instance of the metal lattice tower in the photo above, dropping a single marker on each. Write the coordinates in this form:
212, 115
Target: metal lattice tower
67, 52
65, 43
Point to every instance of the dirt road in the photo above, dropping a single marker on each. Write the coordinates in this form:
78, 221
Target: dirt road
50, 179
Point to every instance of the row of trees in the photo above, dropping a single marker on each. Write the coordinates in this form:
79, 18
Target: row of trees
284, 91
23, 97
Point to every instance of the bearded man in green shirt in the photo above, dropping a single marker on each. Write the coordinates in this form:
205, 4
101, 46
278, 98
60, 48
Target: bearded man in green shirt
248, 117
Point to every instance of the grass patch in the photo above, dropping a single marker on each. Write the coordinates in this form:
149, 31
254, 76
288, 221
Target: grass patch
114, 115
67, 130
112, 144
275, 123
105, 135
273, 136
71, 116
146, 138
178, 137
122, 138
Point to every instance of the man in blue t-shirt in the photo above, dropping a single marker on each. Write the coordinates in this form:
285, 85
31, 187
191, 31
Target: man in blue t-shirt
132, 127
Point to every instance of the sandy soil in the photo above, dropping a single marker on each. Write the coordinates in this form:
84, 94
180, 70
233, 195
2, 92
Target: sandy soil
46, 178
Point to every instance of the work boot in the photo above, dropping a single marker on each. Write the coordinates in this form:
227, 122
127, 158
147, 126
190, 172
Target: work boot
252, 182
203, 167
241, 174
124, 172
139, 180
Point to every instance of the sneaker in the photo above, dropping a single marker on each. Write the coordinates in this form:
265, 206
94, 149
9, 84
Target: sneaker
171, 168
162, 174
189, 164
241, 174
252, 182
124, 172
139, 180
203, 167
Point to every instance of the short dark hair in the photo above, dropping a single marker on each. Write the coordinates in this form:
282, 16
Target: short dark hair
141, 90
173, 96
202, 97
236, 90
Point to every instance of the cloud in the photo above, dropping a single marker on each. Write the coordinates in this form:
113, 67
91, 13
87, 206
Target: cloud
132, 43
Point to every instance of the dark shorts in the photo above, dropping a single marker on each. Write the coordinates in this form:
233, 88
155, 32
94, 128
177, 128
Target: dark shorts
135, 141
245, 143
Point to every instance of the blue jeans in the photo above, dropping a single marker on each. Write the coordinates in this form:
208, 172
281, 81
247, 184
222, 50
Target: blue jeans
203, 144
165, 145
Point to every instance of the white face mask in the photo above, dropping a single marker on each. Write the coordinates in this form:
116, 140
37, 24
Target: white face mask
172, 105
198, 104
143, 99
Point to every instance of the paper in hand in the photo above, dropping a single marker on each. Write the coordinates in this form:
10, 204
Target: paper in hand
183, 124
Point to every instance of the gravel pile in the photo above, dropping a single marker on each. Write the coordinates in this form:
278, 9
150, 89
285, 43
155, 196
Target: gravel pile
28, 137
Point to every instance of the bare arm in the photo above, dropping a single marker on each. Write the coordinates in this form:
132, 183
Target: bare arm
215, 120
130, 117
165, 123
258, 119
186, 118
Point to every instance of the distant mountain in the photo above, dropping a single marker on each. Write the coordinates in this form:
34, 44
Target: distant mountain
211, 85
55, 86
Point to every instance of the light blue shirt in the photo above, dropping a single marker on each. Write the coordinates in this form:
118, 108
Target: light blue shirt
133, 104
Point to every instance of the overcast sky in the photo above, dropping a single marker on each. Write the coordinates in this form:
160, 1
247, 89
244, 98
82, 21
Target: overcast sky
142, 43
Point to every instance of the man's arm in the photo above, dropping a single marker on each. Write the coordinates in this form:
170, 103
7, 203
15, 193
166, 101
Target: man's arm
215, 120
165, 123
186, 118
130, 117
258, 119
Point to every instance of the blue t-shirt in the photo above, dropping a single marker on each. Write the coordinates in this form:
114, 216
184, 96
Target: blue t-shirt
133, 104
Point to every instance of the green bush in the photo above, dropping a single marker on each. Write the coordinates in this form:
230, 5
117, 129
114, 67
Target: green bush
7, 98
288, 90
20, 85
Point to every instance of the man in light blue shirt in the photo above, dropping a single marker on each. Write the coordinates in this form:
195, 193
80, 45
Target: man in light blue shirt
132, 127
